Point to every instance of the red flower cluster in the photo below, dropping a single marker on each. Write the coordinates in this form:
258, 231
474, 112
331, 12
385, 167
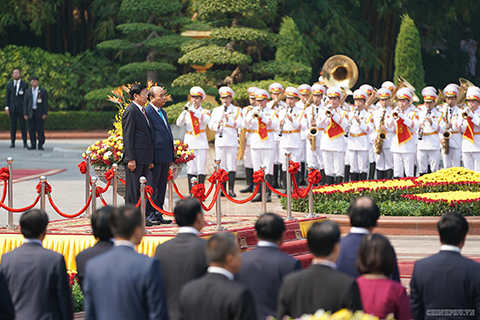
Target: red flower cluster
182, 153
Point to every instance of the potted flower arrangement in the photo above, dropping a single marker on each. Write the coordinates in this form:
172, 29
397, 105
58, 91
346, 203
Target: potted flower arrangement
182, 156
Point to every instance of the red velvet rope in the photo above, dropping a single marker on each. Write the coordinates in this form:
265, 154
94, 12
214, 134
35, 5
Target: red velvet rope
258, 176
198, 191
121, 180
178, 192
103, 200
4, 190
65, 215
170, 174
21, 209
297, 192
244, 200
294, 167
4, 174
215, 195
209, 190
281, 194
158, 208
48, 188
314, 177
82, 166
109, 174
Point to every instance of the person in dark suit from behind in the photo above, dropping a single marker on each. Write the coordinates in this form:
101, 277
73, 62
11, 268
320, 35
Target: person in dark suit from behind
447, 285
217, 295
321, 286
121, 283
7, 311
264, 267
183, 258
363, 213
100, 222
35, 110
163, 144
137, 142
37, 277
14, 106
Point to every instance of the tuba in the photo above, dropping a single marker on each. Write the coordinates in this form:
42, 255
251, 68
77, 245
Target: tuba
402, 83
462, 95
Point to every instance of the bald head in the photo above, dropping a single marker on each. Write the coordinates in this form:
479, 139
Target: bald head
364, 213
157, 96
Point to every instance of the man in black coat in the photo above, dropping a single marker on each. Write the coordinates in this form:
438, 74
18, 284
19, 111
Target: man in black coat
447, 285
264, 267
7, 311
35, 110
163, 144
37, 277
321, 286
217, 295
101, 231
14, 106
183, 258
137, 142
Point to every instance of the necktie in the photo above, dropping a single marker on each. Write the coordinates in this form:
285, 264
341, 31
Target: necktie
165, 121
16, 87
35, 96
145, 115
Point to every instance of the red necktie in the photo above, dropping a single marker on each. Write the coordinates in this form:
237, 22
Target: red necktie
146, 118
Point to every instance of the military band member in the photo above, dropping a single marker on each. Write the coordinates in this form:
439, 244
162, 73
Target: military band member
196, 119
384, 160
314, 157
404, 144
358, 139
471, 130
371, 153
453, 118
261, 122
334, 121
248, 153
276, 90
431, 125
226, 120
305, 94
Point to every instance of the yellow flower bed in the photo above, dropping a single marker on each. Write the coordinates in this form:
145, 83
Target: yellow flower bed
452, 196
451, 175
342, 314
371, 185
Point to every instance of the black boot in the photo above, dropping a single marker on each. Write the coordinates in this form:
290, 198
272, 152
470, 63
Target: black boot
301, 182
258, 197
354, 176
414, 171
275, 176
338, 180
323, 181
347, 173
224, 188
249, 178
201, 178
363, 175
283, 179
397, 178
231, 184
269, 179
329, 180
371, 170
381, 174
389, 174
298, 178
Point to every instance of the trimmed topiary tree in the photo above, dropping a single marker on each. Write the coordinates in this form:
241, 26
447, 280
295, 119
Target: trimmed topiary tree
408, 55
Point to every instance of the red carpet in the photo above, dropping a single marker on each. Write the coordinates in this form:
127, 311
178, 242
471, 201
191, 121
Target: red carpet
19, 175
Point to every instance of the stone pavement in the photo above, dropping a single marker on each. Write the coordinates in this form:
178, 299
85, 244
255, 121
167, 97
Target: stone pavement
68, 191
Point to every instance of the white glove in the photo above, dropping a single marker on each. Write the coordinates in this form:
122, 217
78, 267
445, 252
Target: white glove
261, 114
470, 113
192, 108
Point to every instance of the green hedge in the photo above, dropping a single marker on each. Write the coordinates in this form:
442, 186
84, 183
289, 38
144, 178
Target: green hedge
71, 120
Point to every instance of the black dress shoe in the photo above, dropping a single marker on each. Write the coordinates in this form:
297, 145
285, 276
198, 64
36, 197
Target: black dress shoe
157, 222
148, 224
25, 145
269, 198
249, 188
40, 148
32, 148
258, 198
12, 145
164, 221
232, 194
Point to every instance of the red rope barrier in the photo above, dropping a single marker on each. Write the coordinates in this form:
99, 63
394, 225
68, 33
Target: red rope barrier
198, 191
4, 174
281, 194
158, 208
178, 192
103, 200
209, 190
4, 191
21, 209
293, 167
65, 215
82, 166
121, 180
215, 195
244, 200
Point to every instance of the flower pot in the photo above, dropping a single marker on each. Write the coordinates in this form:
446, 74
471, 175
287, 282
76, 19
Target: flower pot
176, 169
100, 172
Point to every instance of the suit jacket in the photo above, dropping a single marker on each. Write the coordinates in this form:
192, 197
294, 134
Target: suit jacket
263, 270
446, 280
42, 107
38, 283
213, 296
318, 287
162, 135
87, 254
7, 312
137, 137
182, 259
347, 258
15, 102
122, 284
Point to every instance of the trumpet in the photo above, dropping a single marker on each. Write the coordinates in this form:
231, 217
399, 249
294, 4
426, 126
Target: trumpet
396, 113
465, 113
187, 106
328, 112
255, 115
220, 135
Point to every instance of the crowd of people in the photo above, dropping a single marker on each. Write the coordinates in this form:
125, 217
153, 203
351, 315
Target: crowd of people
193, 278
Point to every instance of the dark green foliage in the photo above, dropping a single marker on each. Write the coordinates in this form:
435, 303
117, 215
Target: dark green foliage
214, 54
77, 297
283, 70
241, 94
408, 56
174, 110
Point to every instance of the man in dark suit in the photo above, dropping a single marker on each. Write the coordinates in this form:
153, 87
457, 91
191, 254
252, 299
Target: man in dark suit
183, 258
14, 106
163, 143
321, 286
137, 142
447, 285
121, 283
363, 213
35, 110
36, 277
264, 267
7, 311
217, 295
100, 222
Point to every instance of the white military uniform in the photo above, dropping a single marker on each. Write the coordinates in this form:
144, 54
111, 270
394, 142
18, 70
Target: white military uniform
471, 134
384, 160
280, 106
247, 156
358, 141
454, 116
198, 143
291, 139
428, 148
314, 157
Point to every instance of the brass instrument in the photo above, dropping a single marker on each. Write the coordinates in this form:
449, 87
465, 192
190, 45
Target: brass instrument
340, 71
371, 100
225, 107
255, 114
328, 112
402, 83
465, 113
462, 95
187, 106
278, 99
446, 134
440, 98
313, 130
396, 113
382, 133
